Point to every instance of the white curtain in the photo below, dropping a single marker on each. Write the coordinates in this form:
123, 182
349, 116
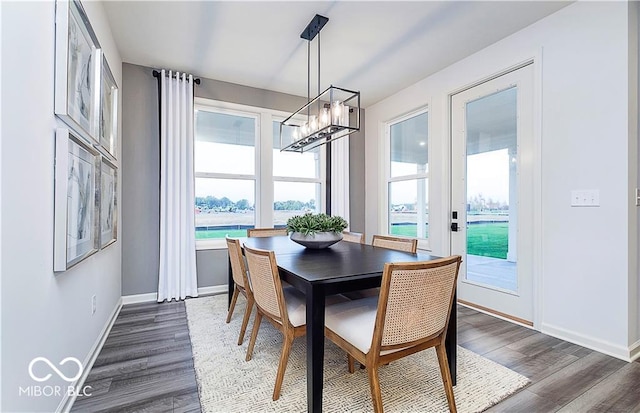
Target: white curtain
177, 278
340, 177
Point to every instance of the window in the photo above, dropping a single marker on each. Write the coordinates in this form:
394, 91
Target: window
225, 170
408, 176
242, 179
297, 181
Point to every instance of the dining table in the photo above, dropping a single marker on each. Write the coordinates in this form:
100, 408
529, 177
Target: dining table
340, 268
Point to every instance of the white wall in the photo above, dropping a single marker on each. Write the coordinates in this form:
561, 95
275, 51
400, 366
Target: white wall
582, 69
0, 209
634, 181
42, 314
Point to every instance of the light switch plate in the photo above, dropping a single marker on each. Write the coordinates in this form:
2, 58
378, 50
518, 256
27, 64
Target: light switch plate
585, 198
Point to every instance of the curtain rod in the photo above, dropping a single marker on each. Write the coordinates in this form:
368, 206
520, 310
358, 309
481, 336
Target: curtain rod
156, 73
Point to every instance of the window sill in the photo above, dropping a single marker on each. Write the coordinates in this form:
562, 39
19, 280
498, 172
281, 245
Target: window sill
211, 244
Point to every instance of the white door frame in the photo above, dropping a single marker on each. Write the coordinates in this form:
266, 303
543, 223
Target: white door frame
537, 233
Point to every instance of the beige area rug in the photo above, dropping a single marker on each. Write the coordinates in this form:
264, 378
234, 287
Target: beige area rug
227, 383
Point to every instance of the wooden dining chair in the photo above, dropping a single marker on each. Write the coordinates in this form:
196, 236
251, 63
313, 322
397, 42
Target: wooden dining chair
353, 237
284, 308
390, 242
241, 284
411, 315
266, 232
395, 243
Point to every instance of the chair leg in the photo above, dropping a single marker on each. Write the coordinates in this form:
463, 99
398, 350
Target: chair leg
351, 363
245, 320
234, 298
374, 383
284, 359
446, 377
254, 335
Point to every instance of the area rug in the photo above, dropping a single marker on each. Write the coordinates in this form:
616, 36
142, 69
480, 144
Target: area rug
228, 383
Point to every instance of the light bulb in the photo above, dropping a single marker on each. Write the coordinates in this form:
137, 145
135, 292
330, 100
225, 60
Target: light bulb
313, 123
305, 129
324, 117
337, 109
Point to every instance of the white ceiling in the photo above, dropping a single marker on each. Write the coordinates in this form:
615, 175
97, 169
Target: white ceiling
376, 47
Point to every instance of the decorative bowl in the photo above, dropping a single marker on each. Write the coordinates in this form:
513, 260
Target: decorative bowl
317, 240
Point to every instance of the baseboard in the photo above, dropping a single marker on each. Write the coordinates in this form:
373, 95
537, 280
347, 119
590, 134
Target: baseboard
214, 289
497, 314
152, 297
605, 347
139, 298
634, 351
66, 403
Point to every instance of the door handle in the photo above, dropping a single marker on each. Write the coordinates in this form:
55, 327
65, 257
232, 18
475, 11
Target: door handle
454, 226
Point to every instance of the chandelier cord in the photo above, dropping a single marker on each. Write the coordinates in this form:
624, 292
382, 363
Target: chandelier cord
308, 73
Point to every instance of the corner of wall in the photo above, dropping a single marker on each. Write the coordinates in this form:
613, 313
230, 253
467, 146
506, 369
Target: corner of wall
634, 171
1, 226
67, 402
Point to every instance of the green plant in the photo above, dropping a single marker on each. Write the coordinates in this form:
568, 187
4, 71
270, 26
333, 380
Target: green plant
309, 224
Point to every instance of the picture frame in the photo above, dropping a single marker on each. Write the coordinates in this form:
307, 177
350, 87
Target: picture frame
76, 200
108, 203
77, 70
108, 119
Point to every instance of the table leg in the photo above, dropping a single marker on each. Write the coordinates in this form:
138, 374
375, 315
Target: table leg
451, 343
315, 347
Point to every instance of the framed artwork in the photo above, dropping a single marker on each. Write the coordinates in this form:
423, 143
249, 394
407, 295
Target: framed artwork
77, 73
76, 200
108, 122
108, 203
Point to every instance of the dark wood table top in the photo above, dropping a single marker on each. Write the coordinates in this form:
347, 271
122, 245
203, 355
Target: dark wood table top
343, 259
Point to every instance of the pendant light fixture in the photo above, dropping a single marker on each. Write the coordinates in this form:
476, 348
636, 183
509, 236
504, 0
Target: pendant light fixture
332, 114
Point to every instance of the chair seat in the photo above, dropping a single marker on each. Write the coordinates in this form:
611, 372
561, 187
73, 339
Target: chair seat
296, 307
296, 304
359, 294
354, 321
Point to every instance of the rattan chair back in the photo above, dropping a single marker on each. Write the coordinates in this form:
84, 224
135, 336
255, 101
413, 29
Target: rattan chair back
353, 237
415, 301
265, 283
238, 266
241, 284
395, 243
266, 232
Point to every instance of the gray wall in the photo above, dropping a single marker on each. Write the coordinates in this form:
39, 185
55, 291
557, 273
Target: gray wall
140, 175
356, 178
245, 95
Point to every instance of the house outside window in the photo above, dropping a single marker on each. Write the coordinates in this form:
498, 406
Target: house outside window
297, 181
242, 180
408, 176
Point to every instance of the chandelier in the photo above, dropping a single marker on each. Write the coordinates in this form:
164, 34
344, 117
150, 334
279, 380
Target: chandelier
332, 114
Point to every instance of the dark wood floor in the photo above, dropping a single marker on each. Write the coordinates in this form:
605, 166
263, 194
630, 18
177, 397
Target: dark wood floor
146, 366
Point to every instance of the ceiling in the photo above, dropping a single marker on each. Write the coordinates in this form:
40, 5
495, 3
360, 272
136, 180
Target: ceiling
377, 47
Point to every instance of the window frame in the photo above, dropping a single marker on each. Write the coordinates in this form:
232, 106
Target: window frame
263, 172
423, 243
321, 173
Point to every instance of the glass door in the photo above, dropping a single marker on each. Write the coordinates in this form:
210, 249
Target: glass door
492, 202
